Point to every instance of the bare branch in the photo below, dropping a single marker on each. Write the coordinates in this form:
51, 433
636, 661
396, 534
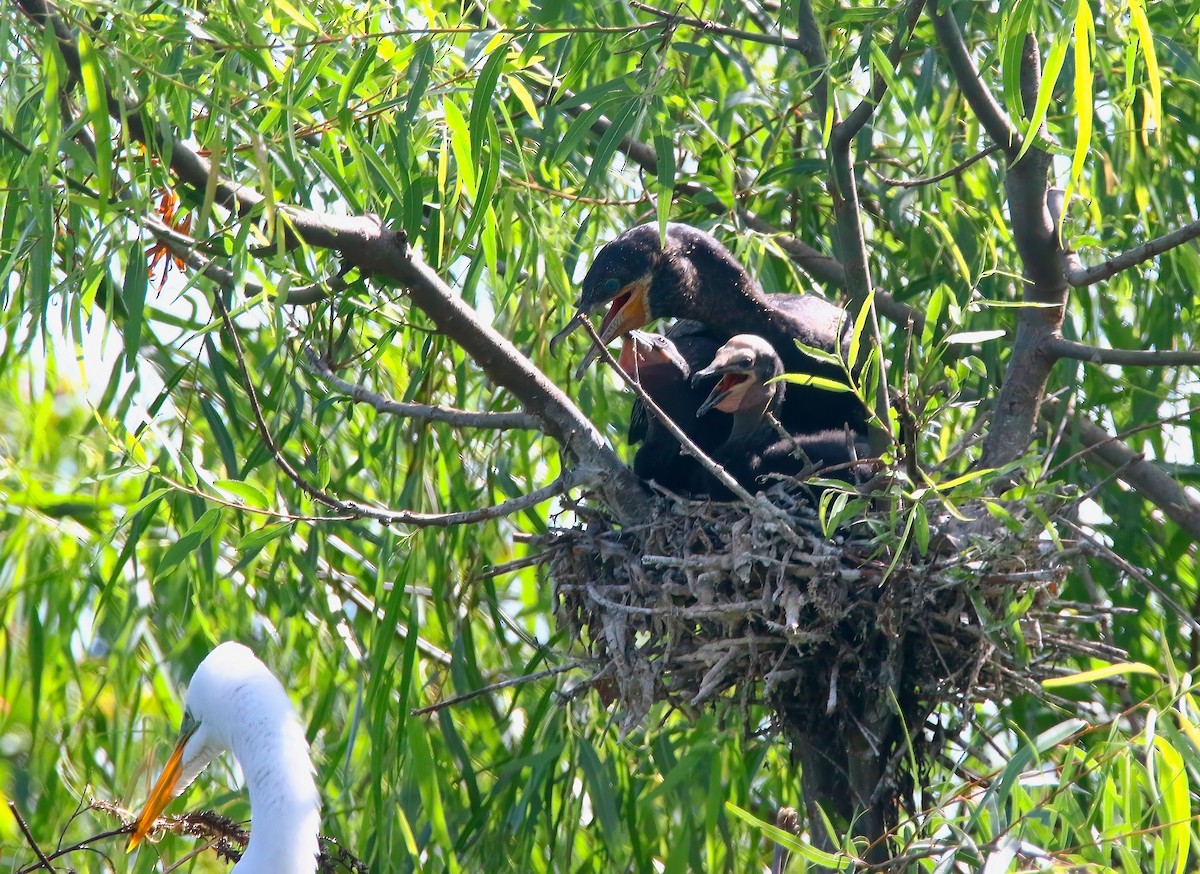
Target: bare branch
990, 115
1061, 347
846, 207
1085, 276
503, 421
674, 20
364, 242
930, 180
1149, 482
496, 687
43, 862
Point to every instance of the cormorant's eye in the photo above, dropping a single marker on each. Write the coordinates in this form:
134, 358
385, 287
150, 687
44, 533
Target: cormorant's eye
611, 285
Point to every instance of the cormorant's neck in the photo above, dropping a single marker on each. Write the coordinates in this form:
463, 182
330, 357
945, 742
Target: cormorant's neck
747, 421
285, 807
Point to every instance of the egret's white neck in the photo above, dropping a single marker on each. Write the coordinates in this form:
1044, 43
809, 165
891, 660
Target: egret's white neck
285, 808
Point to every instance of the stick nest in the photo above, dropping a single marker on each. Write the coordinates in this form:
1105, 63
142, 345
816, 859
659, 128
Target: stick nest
720, 603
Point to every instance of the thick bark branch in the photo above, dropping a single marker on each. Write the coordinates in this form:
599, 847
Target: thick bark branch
989, 113
845, 199
1032, 219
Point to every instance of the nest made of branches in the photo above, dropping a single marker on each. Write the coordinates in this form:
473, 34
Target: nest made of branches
740, 606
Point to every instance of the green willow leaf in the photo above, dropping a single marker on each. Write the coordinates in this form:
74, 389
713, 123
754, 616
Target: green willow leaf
97, 106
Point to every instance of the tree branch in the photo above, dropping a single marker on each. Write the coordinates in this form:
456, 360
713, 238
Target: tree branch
225, 281
1141, 475
989, 113
930, 180
673, 19
1061, 347
501, 421
1085, 276
1035, 232
846, 206
364, 242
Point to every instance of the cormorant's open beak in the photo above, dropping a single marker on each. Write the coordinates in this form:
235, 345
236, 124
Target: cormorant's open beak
725, 387
576, 320
163, 791
630, 309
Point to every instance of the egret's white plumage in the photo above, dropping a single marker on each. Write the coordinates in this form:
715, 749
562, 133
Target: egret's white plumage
235, 704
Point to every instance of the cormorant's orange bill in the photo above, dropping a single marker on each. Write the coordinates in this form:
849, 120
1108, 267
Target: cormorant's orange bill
629, 310
164, 789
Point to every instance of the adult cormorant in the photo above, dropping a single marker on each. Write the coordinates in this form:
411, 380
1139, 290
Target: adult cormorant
746, 365
693, 276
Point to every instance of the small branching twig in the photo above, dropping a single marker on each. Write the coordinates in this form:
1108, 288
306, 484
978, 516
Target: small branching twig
501, 421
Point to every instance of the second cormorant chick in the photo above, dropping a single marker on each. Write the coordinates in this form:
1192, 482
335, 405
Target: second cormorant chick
749, 389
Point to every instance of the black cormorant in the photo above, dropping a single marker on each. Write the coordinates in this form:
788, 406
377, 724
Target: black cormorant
693, 276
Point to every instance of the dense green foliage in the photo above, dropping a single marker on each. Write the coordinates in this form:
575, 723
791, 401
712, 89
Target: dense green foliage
144, 520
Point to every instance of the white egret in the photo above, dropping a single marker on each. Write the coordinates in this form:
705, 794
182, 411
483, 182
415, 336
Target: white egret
235, 704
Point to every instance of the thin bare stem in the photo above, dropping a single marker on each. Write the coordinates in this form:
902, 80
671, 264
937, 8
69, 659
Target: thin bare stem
501, 421
496, 687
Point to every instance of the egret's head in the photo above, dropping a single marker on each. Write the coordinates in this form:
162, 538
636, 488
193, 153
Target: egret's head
213, 696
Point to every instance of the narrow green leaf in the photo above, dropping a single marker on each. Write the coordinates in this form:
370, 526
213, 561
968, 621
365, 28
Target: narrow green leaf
1085, 40
133, 293
815, 381
189, 542
1050, 72
525, 99
351, 83
460, 144
1172, 782
626, 121
799, 846
260, 537
599, 788
97, 106
1137, 15
1099, 674
1015, 27
664, 148
482, 113
860, 328
250, 495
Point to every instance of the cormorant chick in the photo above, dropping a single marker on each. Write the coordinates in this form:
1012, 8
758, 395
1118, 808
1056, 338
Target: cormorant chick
663, 367
746, 365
